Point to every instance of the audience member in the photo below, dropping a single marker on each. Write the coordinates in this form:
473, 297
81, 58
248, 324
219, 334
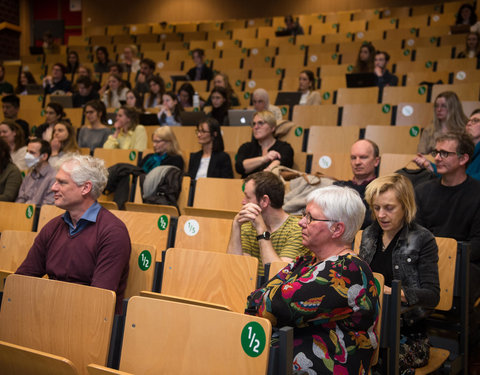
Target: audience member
129, 59
364, 160
169, 113
53, 114
134, 100
261, 102
262, 228
147, 69
201, 71
10, 107
36, 186
398, 248
329, 298
50, 45
57, 83
87, 244
221, 80
306, 85
473, 128
466, 15
211, 160
154, 97
185, 95
12, 134
63, 141
115, 96
166, 151
10, 176
84, 92
128, 133
73, 62
101, 66
365, 60
95, 132
448, 117
84, 71
220, 105
384, 77
264, 152
25, 78
292, 27
5, 87
472, 47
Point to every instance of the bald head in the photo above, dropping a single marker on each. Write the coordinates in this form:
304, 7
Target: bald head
364, 158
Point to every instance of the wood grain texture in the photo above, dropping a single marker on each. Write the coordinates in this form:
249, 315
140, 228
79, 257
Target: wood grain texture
16, 216
219, 193
447, 259
332, 138
140, 279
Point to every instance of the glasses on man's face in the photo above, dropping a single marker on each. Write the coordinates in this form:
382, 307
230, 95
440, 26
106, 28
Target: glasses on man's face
443, 154
474, 121
309, 218
259, 123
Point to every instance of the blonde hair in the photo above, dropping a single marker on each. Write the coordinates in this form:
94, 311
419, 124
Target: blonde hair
401, 186
268, 117
456, 119
166, 134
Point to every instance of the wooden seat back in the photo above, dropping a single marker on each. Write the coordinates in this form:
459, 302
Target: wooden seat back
219, 193
141, 269
16, 216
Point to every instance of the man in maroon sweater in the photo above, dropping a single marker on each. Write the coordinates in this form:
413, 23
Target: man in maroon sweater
87, 244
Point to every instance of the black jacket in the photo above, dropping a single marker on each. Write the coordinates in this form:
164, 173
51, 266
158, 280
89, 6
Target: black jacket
220, 165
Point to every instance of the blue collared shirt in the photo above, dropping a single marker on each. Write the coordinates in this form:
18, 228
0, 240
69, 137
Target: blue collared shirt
89, 216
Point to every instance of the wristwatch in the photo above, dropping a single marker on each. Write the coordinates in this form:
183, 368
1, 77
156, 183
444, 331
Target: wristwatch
264, 236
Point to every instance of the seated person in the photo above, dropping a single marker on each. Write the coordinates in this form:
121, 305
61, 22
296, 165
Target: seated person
5, 87
306, 85
398, 248
63, 141
147, 69
166, 151
73, 62
169, 113
384, 77
472, 47
134, 100
262, 228
364, 160
53, 114
292, 27
128, 133
220, 105
11, 106
84, 92
130, 62
365, 60
221, 80
36, 186
473, 128
261, 102
264, 152
466, 15
25, 78
116, 93
85, 71
87, 244
101, 66
12, 134
185, 95
200, 71
154, 97
211, 160
329, 298
10, 176
95, 132
57, 83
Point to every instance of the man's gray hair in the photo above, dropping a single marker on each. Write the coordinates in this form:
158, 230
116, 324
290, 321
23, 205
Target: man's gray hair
342, 204
83, 168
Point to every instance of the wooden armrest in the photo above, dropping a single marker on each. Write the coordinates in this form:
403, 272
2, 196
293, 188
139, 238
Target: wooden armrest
102, 370
190, 301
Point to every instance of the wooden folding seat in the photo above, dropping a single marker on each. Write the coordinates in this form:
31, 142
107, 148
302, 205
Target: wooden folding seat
366, 114
218, 193
210, 26
456, 65
410, 114
202, 44
422, 42
393, 139
314, 60
264, 51
324, 28
338, 17
140, 28
400, 34
330, 139
340, 38
175, 45
405, 67
466, 91
334, 165
317, 48
259, 22
405, 54
396, 12
233, 53
146, 336
188, 27
228, 63
414, 21
187, 139
100, 40
78, 40
308, 39
123, 39
453, 40
390, 163
114, 156
141, 269
335, 70
239, 34
332, 83
117, 29
464, 76
350, 56
16, 216
252, 62
94, 30
382, 24
426, 9
366, 14
218, 35
203, 233
364, 95
75, 115
59, 318
416, 78
266, 32
397, 94
433, 53
370, 35
210, 212
309, 19
147, 38
289, 84
452, 7
38, 69
255, 43
352, 26
235, 136
234, 24
195, 36
351, 46
306, 116
443, 19
436, 31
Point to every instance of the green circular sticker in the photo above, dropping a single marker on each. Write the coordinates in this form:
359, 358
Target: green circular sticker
238, 82
34, 129
236, 41
42, 112
349, 35
144, 260
162, 222
422, 90
414, 131
386, 108
243, 185
376, 11
132, 156
196, 109
29, 212
246, 95
23, 174
428, 64
278, 71
298, 131
413, 30
185, 44
244, 50
326, 96
302, 47
267, 59
433, 39
253, 339
291, 40
335, 25
284, 110
406, 52
40, 98
319, 16
169, 84
334, 56
393, 20
349, 68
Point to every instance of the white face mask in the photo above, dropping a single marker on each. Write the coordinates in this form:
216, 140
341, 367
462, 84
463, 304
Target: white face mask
31, 160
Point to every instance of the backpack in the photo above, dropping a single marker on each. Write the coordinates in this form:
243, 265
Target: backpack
162, 185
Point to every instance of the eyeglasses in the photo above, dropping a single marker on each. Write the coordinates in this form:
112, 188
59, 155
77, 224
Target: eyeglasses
309, 218
201, 131
474, 121
259, 123
443, 154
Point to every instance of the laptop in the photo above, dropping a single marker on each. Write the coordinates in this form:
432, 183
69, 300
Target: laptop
34, 89
240, 117
65, 100
148, 119
289, 98
191, 117
361, 80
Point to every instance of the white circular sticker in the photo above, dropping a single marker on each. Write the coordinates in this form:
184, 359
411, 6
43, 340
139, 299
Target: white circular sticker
386, 12
163, 36
26, 68
360, 35
461, 75
410, 42
160, 65
255, 51
252, 84
191, 227
407, 111
313, 58
435, 18
325, 162
251, 22
220, 43
133, 28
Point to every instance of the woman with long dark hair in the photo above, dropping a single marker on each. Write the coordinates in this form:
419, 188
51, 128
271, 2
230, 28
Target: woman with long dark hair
95, 132
10, 176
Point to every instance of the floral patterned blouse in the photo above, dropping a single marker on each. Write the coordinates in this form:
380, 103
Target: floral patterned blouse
333, 307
